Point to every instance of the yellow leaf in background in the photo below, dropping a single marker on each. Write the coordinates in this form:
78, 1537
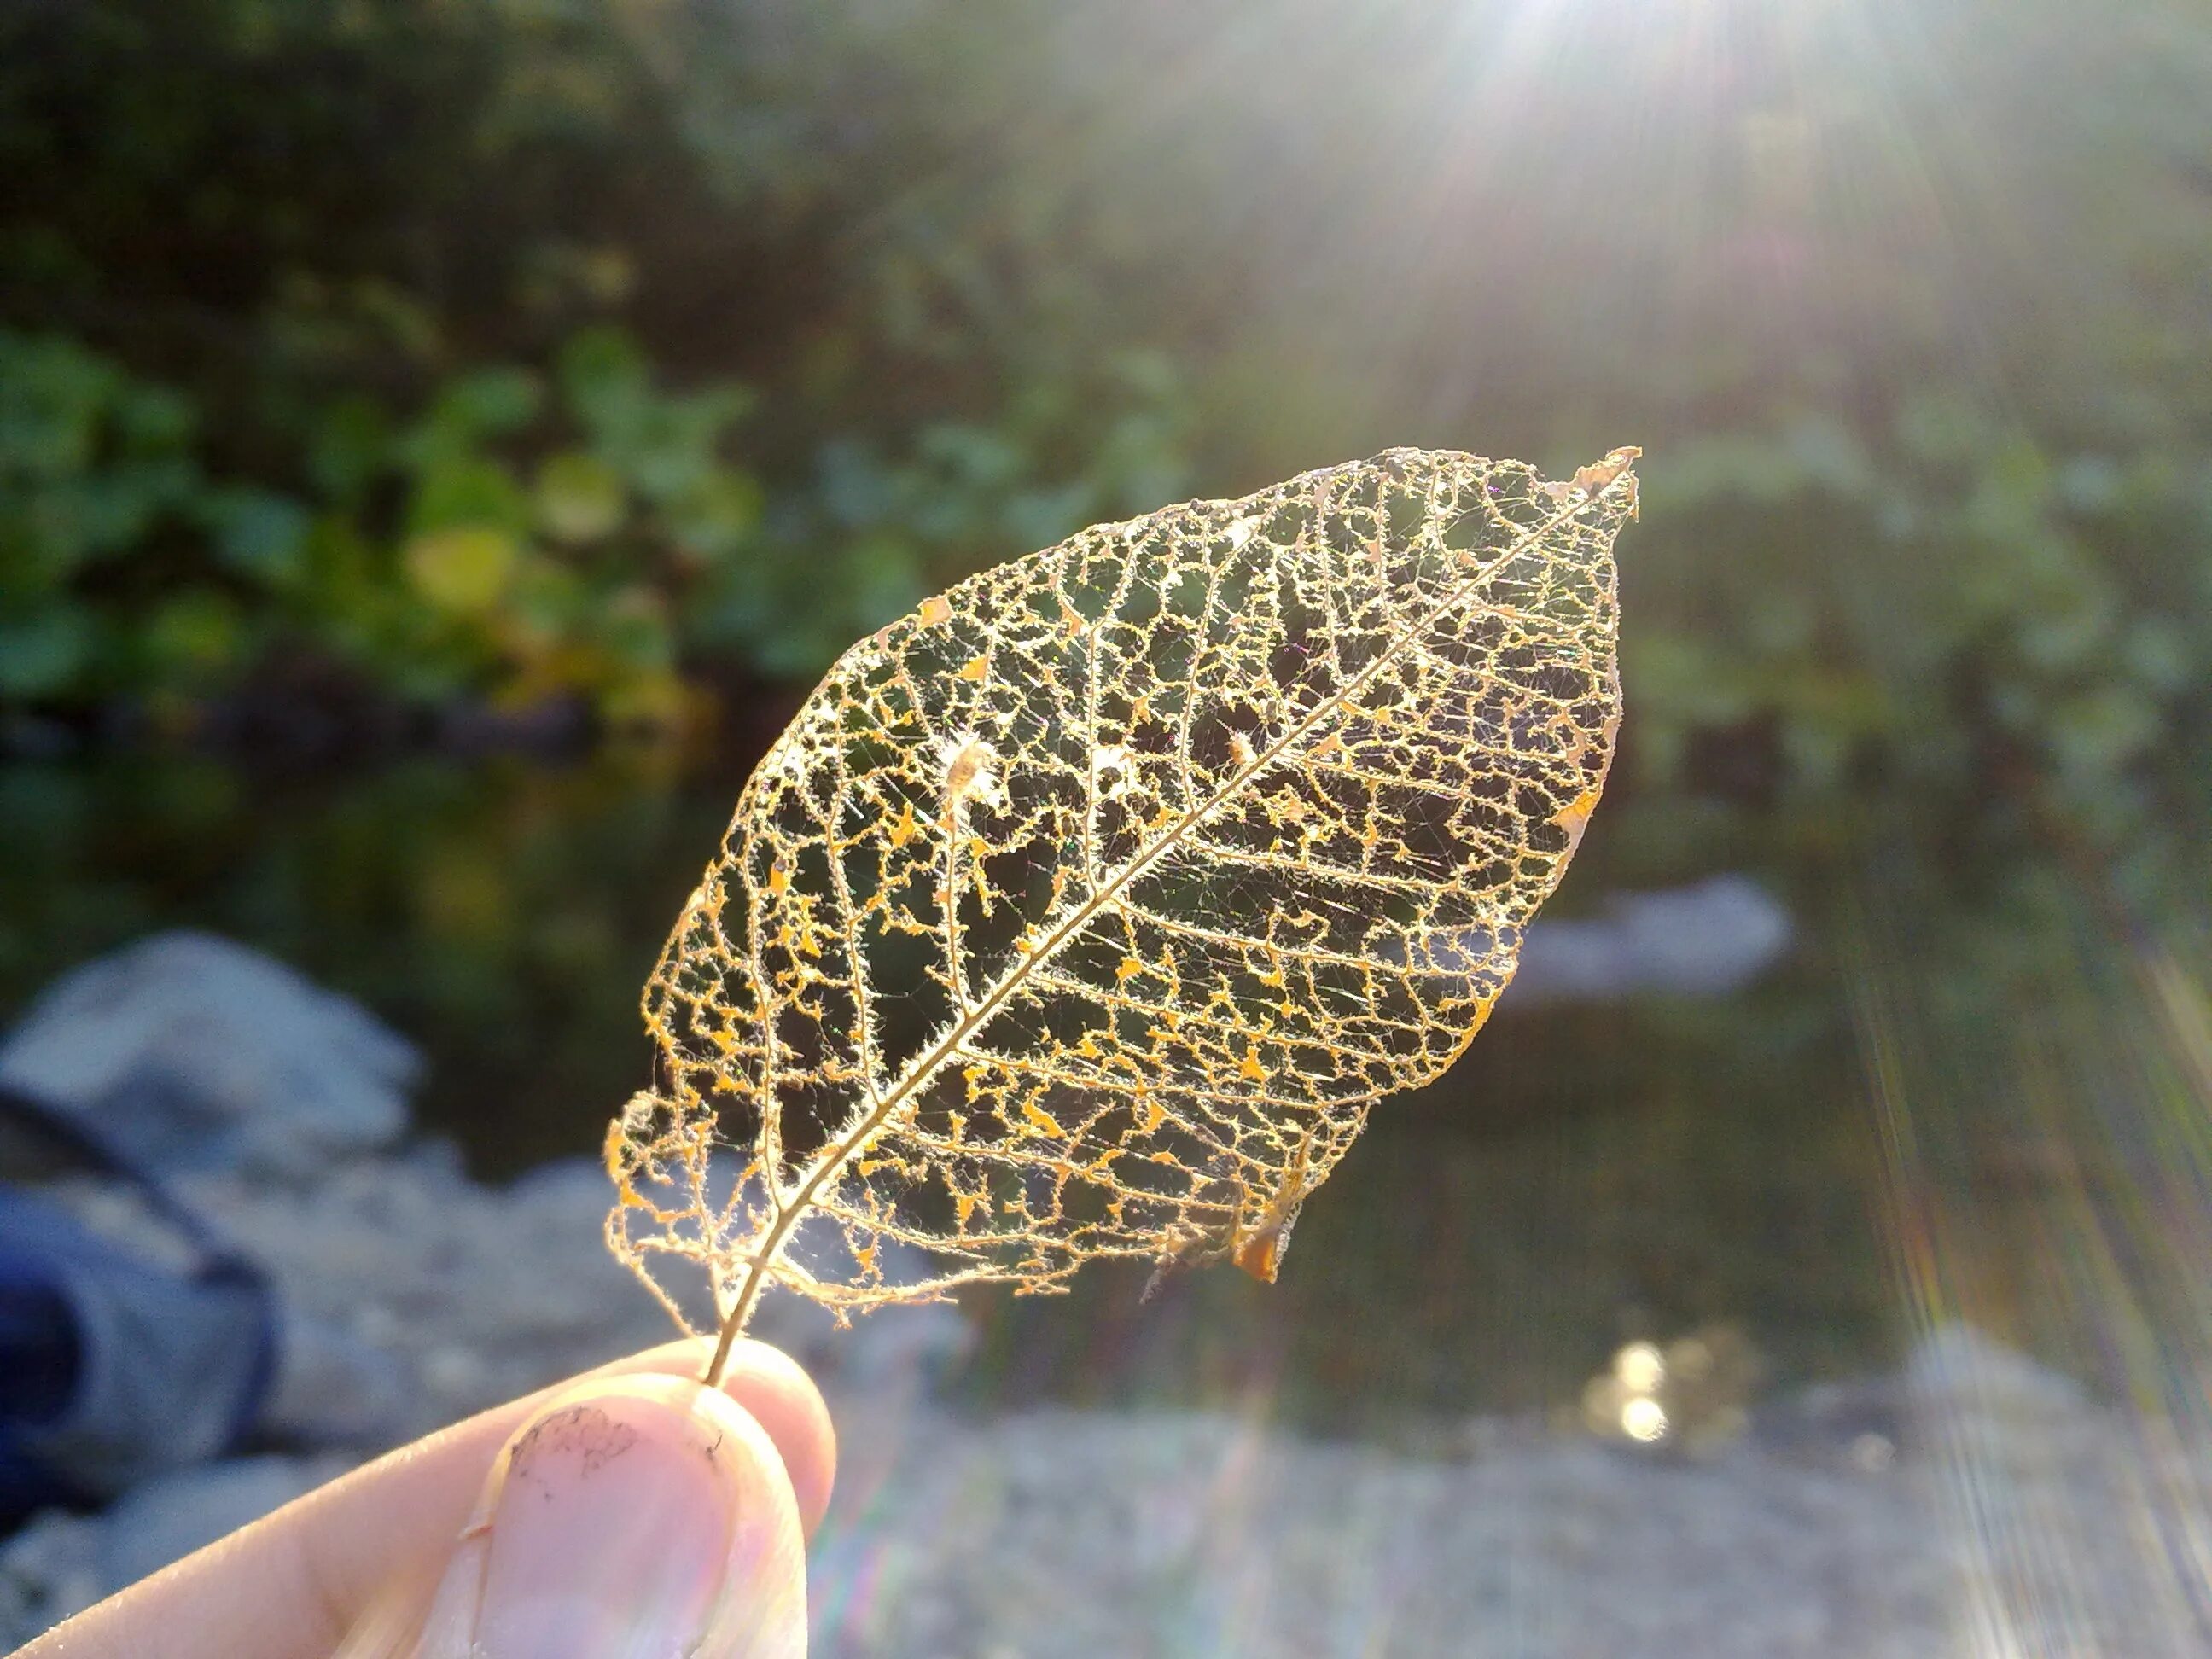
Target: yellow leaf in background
462, 569
657, 700
579, 497
1113, 942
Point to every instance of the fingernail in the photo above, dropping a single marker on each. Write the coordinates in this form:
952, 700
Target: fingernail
629, 1519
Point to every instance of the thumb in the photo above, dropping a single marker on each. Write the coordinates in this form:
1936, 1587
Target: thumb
639, 1516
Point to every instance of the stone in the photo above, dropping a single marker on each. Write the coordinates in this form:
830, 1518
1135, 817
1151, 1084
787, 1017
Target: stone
1956, 1369
188, 1051
1711, 939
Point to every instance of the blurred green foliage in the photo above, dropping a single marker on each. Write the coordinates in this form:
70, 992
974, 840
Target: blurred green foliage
1959, 605
613, 348
520, 536
346, 331
505, 537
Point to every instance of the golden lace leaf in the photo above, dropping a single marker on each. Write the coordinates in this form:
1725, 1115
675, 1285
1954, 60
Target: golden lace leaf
1084, 911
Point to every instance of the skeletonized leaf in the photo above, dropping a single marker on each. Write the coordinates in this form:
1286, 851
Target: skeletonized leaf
1083, 911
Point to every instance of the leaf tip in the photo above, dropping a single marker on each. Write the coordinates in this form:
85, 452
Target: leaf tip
1617, 466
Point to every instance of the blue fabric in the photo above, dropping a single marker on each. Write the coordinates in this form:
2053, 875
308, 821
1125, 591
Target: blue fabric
39, 1358
114, 1367
39, 1348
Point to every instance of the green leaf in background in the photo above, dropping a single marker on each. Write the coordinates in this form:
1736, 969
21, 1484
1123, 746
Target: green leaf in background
195, 637
2099, 731
545, 603
883, 579
42, 655
485, 403
1038, 517
717, 517
674, 444
634, 630
153, 418
2158, 654
461, 569
348, 447
579, 497
258, 534
125, 501
852, 485
605, 380
466, 490
53, 393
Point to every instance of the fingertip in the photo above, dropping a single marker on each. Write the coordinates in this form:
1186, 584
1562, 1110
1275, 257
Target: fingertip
782, 1397
633, 1512
761, 1611
776, 1391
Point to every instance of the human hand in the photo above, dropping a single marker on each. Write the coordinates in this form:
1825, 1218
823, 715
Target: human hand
631, 1514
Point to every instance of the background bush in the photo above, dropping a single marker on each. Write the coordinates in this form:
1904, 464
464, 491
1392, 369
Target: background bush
608, 353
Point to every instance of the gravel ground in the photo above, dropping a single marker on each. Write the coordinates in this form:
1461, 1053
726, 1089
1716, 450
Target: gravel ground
1993, 1509
1062, 1533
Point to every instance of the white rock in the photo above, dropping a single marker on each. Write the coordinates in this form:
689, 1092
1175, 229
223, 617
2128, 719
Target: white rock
1710, 939
49, 1570
1956, 1368
194, 1052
